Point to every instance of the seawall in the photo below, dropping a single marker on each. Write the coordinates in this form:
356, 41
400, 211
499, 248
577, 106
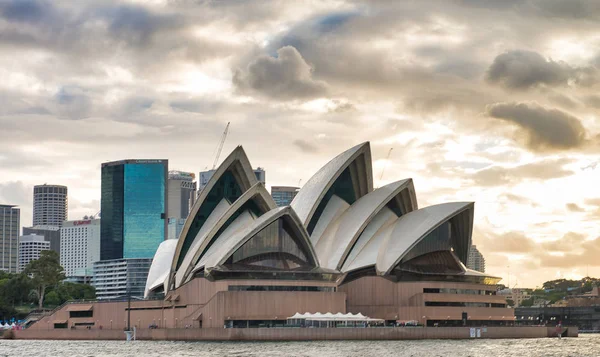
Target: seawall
299, 334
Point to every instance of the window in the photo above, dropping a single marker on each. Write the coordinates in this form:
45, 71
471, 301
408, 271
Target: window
274, 247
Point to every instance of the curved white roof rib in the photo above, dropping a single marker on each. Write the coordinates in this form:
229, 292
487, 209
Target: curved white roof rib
257, 193
410, 229
244, 220
309, 197
366, 249
333, 210
229, 246
238, 164
341, 236
159, 270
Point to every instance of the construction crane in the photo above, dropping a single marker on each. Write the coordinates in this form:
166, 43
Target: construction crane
220, 147
387, 159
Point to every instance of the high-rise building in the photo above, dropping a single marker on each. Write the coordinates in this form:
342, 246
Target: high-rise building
181, 193
50, 233
175, 227
10, 225
30, 248
80, 247
50, 205
134, 208
283, 195
476, 261
259, 172
118, 278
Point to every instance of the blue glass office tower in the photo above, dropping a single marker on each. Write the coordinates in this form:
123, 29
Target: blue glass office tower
134, 208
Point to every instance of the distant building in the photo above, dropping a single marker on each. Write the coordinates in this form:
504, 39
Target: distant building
476, 261
259, 172
50, 233
10, 225
50, 205
134, 208
175, 227
516, 295
30, 248
118, 278
283, 195
181, 193
80, 248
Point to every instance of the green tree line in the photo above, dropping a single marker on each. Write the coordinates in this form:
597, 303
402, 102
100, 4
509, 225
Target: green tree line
40, 285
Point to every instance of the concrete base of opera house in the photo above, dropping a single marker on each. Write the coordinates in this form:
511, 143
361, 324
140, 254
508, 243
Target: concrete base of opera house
300, 334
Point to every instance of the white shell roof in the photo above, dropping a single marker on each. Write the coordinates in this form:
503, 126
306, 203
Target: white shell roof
260, 223
161, 263
411, 228
248, 178
211, 220
212, 228
367, 246
310, 195
335, 244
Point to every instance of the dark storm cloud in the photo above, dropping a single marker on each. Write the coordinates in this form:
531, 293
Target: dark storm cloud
544, 128
286, 76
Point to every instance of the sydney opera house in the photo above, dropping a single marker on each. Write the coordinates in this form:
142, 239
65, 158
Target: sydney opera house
340, 247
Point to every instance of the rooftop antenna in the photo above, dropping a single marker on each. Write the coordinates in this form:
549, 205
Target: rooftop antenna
387, 159
220, 147
299, 182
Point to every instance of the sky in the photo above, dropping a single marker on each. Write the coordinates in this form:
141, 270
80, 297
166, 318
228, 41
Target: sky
492, 101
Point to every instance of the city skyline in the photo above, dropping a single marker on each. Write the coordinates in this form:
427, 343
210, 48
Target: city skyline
497, 109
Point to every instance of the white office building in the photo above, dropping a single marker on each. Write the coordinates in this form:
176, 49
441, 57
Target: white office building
79, 247
476, 261
30, 248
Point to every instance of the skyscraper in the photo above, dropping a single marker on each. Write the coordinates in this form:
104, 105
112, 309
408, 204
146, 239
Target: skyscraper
283, 195
181, 193
134, 208
30, 248
80, 247
50, 205
476, 261
259, 172
10, 221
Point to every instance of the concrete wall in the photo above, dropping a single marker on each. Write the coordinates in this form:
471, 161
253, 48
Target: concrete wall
291, 334
382, 298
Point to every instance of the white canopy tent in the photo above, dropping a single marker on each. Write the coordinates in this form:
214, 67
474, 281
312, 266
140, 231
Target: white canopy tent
332, 320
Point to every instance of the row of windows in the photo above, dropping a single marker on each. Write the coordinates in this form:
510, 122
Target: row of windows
463, 304
458, 291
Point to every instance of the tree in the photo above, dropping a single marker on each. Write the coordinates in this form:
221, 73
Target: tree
45, 271
510, 302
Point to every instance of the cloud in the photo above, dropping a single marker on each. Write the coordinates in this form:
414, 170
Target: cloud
522, 70
286, 76
545, 129
536, 171
306, 146
573, 207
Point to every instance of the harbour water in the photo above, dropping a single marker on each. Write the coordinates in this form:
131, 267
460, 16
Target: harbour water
585, 345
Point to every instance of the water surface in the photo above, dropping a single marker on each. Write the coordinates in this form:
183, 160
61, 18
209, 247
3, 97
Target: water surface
585, 345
